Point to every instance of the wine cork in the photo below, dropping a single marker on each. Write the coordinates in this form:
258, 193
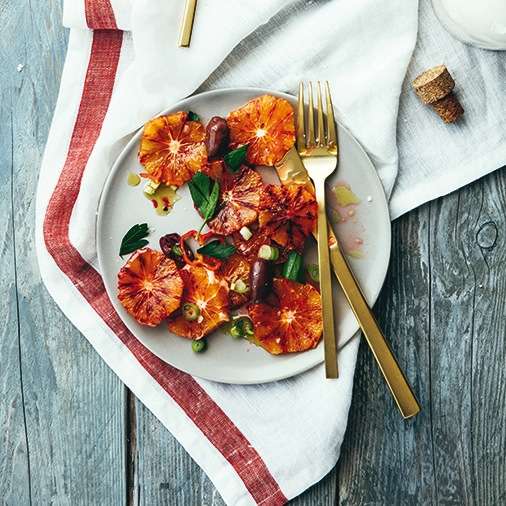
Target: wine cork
434, 84
448, 108
435, 88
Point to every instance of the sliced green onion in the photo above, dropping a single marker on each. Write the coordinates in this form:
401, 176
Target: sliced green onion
177, 250
268, 252
242, 328
246, 233
190, 311
239, 286
150, 187
292, 268
199, 346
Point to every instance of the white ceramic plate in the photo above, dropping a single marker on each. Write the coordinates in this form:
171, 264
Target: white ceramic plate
226, 359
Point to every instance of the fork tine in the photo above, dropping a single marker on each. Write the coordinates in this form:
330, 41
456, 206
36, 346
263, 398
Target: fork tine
331, 122
301, 141
310, 119
320, 132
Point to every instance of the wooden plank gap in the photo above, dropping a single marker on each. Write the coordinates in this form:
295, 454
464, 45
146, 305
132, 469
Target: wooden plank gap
429, 330
16, 301
132, 477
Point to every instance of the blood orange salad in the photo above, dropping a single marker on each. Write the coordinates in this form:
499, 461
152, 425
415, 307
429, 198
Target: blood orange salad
244, 268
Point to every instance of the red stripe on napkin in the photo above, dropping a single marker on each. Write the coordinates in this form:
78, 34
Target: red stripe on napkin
99, 15
190, 396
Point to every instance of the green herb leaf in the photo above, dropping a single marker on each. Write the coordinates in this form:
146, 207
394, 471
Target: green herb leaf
134, 239
199, 189
236, 158
212, 201
192, 116
217, 249
205, 193
292, 268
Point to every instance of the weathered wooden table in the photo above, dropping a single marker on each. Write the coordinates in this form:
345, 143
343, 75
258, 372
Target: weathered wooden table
71, 433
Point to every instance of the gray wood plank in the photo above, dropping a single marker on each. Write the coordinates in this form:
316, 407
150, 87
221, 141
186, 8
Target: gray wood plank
468, 348
453, 287
488, 380
14, 465
386, 460
74, 404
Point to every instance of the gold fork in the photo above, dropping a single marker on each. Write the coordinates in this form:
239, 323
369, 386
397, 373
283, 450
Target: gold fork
319, 156
393, 374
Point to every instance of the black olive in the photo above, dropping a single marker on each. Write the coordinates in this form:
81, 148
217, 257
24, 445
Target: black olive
169, 244
260, 280
217, 136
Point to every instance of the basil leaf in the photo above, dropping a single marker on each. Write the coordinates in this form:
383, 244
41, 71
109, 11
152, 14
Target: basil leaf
292, 268
200, 185
212, 201
217, 249
205, 193
192, 116
134, 239
236, 158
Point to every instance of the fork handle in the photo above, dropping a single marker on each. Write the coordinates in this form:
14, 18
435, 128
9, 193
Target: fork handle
395, 378
329, 337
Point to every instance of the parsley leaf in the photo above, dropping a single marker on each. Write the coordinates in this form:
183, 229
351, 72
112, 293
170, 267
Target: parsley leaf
192, 116
217, 249
236, 158
134, 239
205, 193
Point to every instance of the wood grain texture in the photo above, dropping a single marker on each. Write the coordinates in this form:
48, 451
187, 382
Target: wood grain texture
386, 460
14, 463
74, 405
489, 344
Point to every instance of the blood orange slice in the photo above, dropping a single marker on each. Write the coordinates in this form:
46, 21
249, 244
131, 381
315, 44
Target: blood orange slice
150, 286
235, 271
172, 149
289, 214
295, 324
266, 124
249, 248
239, 200
209, 294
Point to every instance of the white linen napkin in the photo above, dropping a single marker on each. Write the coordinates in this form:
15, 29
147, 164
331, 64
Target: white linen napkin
244, 437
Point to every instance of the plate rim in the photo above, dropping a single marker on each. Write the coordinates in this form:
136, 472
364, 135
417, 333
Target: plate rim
124, 153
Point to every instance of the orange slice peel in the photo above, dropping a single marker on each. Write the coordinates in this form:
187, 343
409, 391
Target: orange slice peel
240, 196
266, 125
294, 324
150, 286
209, 293
172, 149
288, 213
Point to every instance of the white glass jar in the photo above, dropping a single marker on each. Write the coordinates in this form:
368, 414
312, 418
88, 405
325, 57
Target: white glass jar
481, 23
